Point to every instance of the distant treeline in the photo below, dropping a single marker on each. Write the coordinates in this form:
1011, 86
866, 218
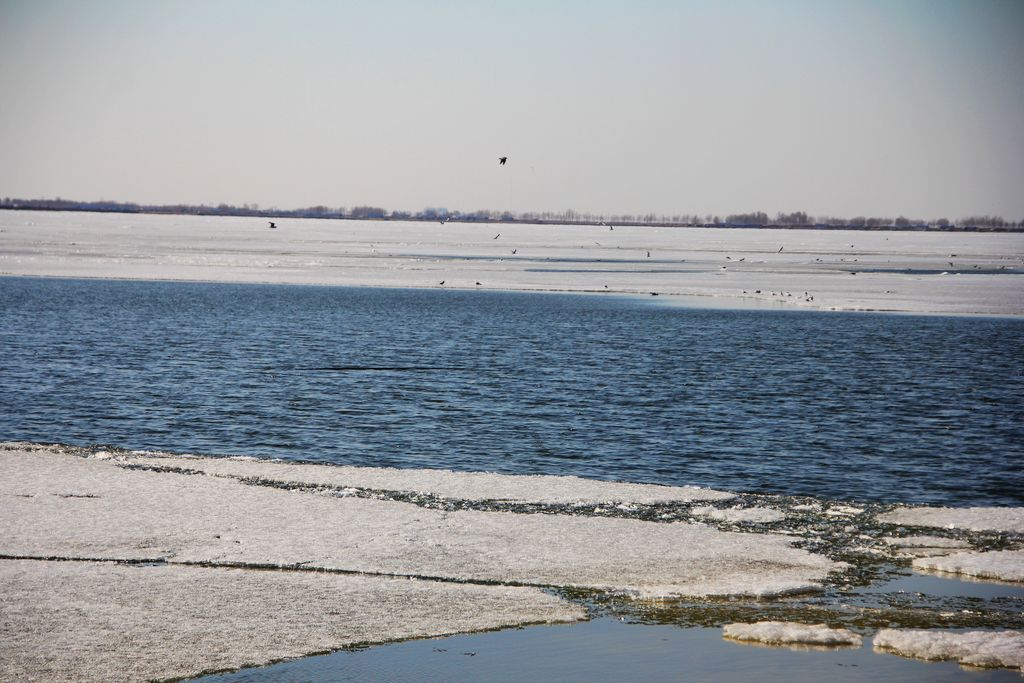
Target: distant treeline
758, 219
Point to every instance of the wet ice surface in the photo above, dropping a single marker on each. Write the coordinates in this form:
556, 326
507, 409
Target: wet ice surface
872, 270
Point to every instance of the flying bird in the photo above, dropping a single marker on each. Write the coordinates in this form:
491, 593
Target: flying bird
780, 250
502, 160
272, 224
496, 236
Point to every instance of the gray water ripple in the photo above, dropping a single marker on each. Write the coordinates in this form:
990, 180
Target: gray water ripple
855, 406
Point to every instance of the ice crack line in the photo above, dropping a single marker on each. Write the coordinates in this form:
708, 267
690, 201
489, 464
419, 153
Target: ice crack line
269, 566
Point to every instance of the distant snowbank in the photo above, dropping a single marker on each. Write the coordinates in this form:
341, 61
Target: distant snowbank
952, 273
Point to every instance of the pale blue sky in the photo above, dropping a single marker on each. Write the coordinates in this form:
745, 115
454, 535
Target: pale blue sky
836, 108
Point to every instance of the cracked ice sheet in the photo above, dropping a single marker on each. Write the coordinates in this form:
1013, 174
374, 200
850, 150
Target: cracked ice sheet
473, 486
975, 648
85, 621
790, 633
975, 518
1002, 565
140, 514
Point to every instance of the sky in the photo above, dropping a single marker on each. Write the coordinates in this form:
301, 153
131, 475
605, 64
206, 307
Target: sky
872, 108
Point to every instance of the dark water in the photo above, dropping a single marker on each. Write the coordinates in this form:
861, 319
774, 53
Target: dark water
855, 406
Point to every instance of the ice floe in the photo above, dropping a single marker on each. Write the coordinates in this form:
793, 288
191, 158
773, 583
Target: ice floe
1003, 565
137, 514
755, 515
85, 621
1010, 519
790, 633
544, 489
974, 648
843, 511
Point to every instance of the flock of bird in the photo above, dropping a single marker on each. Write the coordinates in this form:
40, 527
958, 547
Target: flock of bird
807, 297
502, 161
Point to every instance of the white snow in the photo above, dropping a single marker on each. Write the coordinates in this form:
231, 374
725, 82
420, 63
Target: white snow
790, 633
896, 271
974, 518
473, 486
755, 515
181, 518
974, 648
1002, 565
85, 621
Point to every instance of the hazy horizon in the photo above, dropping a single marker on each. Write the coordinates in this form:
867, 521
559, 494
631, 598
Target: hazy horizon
837, 109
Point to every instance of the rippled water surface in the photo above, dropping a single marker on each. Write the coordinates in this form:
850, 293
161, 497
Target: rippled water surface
855, 406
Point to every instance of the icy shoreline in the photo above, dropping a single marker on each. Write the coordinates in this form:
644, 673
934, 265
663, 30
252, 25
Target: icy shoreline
111, 572
946, 273
122, 556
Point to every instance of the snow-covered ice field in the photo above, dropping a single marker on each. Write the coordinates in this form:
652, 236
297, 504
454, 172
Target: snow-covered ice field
925, 272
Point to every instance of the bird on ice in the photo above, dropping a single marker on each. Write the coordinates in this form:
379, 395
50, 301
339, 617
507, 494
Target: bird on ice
502, 160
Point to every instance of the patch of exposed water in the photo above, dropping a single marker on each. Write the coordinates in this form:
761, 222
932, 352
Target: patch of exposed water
607, 649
